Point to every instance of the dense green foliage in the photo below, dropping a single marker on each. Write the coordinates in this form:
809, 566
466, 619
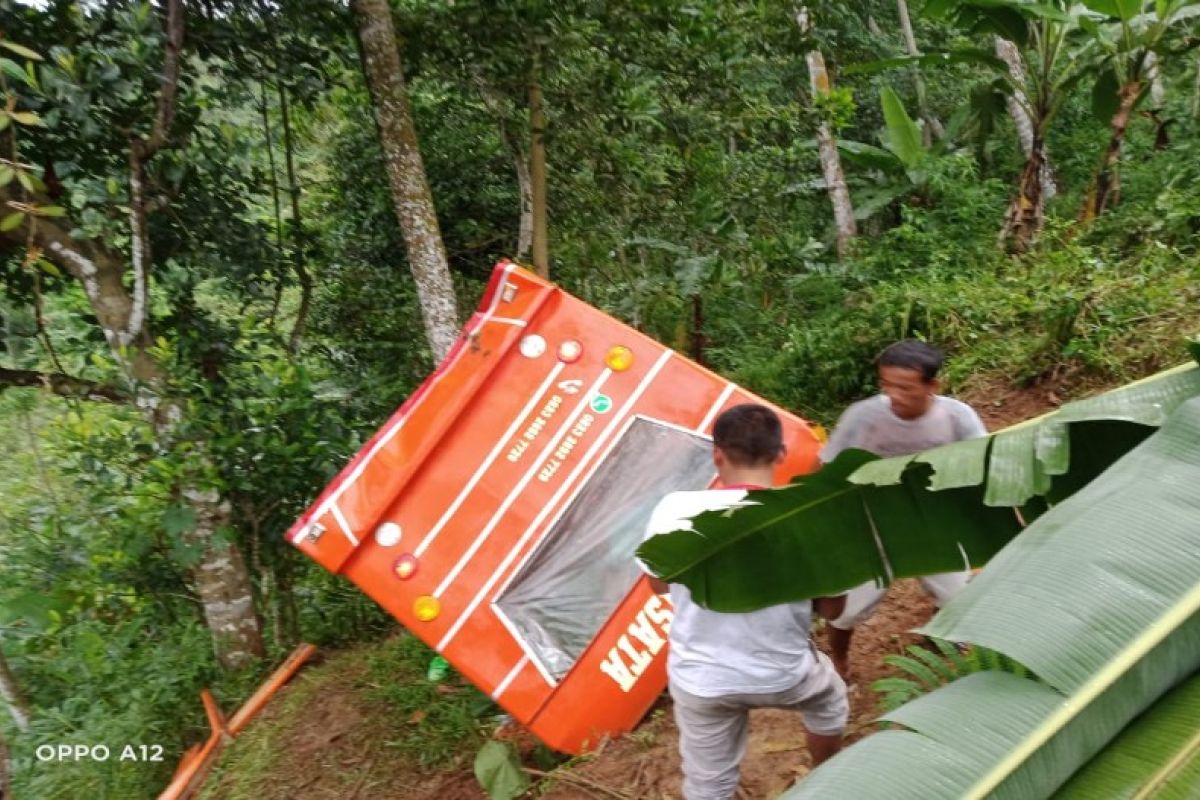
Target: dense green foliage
685, 197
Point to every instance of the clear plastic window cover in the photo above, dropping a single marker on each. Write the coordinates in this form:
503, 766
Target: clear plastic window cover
585, 566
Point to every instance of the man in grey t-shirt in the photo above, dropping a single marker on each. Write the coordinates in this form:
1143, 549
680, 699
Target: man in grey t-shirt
719, 665
907, 416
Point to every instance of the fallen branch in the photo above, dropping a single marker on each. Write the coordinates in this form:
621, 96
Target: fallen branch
578, 782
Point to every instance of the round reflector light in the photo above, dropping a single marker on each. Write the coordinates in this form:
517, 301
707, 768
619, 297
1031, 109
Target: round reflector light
570, 351
426, 608
619, 358
405, 566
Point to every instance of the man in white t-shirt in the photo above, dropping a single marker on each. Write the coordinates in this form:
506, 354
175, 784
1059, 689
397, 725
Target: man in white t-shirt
720, 666
907, 416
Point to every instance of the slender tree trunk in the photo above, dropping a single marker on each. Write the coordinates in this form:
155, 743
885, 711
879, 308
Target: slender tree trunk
5, 789
933, 128
1106, 186
14, 698
1158, 100
520, 166
537, 162
264, 108
1017, 103
1025, 213
831, 162
1196, 93
299, 238
525, 186
406, 174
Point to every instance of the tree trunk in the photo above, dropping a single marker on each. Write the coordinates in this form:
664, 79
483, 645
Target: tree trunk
5, 787
223, 582
1196, 93
1106, 186
406, 174
14, 698
1017, 103
1025, 213
264, 108
520, 166
299, 239
831, 163
1158, 100
933, 128
537, 162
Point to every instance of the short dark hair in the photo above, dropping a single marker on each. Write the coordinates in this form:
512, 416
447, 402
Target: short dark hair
913, 354
749, 435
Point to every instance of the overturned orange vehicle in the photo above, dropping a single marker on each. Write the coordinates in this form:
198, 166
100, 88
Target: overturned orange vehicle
496, 514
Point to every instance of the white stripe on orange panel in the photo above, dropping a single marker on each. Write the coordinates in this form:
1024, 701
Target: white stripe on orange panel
509, 678
712, 412
391, 432
501, 443
535, 466
343, 524
533, 526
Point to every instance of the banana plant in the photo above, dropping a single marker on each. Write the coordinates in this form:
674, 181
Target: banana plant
1099, 599
1133, 39
863, 518
902, 164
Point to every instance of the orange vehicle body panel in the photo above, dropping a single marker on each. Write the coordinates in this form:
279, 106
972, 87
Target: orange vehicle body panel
469, 476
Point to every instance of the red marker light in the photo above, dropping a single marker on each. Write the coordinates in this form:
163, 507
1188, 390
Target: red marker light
405, 567
570, 351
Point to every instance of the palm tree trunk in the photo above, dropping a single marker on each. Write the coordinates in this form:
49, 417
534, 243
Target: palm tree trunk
406, 174
1106, 186
1017, 103
1026, 212
537, 163
933, 127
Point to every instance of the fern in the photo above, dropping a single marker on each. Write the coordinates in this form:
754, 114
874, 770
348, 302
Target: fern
943, 669
924, 670
915, 668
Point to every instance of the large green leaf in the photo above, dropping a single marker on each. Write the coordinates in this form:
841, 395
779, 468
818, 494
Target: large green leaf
869, 156
863, 518
1121, 9
902, 135
931, 58
1099, 598
1158, 756
823, 534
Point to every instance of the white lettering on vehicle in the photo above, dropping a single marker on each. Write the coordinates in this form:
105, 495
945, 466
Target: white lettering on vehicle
643, 639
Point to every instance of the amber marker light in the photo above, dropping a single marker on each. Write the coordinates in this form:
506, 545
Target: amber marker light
405, 566
570, 351
619, 358
426, 608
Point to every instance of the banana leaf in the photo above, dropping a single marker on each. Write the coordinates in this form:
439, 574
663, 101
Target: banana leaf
1099, 598
1158, 756
863, 518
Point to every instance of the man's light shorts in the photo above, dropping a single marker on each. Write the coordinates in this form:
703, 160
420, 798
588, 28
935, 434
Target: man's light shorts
713, 730
862, 601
